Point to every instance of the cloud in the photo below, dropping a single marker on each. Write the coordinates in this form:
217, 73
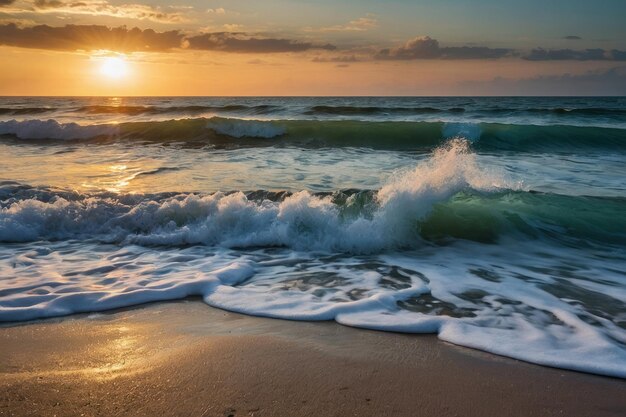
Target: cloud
6, 2
88, 37
572, 37
243, 43
361, 24
540, 54
219, 10
604, 82
121, 39
339, 58
103, 8
232, 27
425, 47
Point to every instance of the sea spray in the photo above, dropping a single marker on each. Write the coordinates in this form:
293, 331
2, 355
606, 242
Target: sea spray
301, 221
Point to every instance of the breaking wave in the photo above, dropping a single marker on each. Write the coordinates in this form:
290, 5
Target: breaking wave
449, 196
308, 133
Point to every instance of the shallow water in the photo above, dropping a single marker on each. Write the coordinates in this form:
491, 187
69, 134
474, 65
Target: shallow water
497, 223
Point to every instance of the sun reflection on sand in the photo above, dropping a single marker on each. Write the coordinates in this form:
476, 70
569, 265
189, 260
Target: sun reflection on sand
119, 352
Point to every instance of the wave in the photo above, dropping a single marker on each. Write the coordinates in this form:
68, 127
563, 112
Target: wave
372, 110
232, 132
325, 110
398, 110
447, 197
12, 111
195, 109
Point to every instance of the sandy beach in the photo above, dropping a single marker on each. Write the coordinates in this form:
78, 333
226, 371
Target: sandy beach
188, 359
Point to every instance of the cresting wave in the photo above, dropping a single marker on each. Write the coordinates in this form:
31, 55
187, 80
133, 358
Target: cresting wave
448, 197
309, 133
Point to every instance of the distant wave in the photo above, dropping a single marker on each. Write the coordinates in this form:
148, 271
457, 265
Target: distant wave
323, 110
19, 111
231, 132
396, 110
193, 109
368, 110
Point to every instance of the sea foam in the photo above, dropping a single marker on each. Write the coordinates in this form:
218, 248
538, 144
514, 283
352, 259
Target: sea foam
301, 221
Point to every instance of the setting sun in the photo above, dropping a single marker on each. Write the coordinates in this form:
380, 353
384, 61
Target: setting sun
114, 67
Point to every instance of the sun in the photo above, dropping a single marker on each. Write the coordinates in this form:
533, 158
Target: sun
114, 67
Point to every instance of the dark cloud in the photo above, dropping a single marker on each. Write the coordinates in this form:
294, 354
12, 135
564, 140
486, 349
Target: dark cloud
6, 2
121, 39
540, 54
572, 38
340, 58
89, 37
608, 82
425, 47
243, 43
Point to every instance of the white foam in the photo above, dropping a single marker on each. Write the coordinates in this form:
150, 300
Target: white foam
51, 129
239, 128
515, 315
302, 221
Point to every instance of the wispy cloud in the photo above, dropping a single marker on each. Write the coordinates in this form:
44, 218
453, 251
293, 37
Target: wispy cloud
358, 25
572, 38
219, 10
603, 82
367, 22
540, 54
99, 8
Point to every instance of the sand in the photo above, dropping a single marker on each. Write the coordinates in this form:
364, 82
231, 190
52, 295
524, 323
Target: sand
188, 359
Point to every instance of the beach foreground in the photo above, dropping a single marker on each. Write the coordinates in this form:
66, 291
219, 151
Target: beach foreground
185, 358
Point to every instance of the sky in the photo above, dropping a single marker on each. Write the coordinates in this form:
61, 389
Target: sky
322, 47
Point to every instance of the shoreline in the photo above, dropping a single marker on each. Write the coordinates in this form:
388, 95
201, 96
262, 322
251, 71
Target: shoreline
186, 358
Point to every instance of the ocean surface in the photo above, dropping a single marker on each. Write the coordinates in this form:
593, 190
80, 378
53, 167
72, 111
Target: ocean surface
497, 223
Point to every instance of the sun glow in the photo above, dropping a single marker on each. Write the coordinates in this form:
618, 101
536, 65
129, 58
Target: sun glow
114, 67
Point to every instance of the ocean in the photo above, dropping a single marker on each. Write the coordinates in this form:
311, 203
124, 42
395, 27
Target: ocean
497, 223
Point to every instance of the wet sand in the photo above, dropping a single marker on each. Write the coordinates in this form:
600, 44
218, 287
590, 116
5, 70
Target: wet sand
188, 359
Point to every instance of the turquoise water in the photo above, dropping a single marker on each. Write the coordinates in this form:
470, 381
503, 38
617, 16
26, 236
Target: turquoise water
497, 223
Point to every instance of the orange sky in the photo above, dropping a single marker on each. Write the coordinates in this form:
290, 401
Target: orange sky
52, 48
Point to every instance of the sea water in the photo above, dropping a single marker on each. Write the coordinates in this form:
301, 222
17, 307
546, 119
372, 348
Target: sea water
497, 223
